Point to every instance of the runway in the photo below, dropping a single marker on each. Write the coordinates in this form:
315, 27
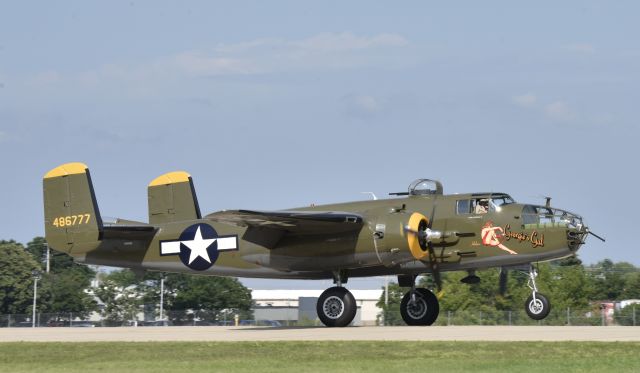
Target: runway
399, 333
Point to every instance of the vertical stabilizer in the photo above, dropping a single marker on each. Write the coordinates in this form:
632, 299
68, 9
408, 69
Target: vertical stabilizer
172, 197
71, 216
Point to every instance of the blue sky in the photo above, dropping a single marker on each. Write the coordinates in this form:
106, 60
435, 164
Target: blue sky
272, 105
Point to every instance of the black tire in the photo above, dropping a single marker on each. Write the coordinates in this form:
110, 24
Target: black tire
538, 309
336, 307
424, 311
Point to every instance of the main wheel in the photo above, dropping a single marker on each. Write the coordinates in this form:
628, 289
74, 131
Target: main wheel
537, 308
336, 307
423, 310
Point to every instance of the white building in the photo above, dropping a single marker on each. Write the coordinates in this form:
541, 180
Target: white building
291, 305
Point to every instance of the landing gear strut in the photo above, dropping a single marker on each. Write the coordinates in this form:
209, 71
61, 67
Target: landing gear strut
419, 306
537, 305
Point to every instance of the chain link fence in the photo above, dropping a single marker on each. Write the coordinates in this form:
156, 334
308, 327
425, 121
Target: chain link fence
628, 316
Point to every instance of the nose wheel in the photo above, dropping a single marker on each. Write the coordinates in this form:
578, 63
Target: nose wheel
537, 305
336, 307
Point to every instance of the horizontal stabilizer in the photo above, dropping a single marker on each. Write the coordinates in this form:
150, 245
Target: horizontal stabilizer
128, 230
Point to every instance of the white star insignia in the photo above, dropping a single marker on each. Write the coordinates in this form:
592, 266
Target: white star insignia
198, 247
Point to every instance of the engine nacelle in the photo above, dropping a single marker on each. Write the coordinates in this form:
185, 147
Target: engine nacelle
397, 239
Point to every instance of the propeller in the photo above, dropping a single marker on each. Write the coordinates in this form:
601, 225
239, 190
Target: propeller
427, 235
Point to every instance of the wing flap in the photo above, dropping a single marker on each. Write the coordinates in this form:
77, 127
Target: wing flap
296, 222
268, 228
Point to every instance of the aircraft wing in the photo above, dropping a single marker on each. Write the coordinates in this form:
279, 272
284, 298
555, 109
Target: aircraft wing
267, 228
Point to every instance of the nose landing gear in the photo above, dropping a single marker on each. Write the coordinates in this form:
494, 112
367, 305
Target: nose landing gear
537, 305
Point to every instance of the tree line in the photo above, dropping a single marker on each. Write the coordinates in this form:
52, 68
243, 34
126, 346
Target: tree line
119, 294
568, 283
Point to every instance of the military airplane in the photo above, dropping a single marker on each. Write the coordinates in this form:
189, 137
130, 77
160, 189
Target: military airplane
421, 231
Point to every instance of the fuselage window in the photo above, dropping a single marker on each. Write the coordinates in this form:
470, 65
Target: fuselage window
464, 206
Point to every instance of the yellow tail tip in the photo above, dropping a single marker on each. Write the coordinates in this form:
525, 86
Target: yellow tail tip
170, 178
67, 169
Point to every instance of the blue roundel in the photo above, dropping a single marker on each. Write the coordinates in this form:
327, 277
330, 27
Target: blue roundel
199, 247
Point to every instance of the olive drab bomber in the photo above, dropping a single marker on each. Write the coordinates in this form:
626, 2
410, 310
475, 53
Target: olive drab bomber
421, 231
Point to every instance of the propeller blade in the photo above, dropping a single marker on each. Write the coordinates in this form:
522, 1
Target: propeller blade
596, 236
435, 270
433, 213
433, 263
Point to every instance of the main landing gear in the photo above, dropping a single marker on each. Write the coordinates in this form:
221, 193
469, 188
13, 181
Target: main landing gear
419, 306
537, 305
337, 306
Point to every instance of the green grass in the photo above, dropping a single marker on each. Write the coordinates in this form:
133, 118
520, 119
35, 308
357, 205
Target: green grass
358, 356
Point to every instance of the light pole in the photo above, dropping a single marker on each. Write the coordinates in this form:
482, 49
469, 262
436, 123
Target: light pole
386, 300
161, 296
46, 245
36, 277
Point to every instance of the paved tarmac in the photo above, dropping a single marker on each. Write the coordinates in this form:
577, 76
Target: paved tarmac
398, 333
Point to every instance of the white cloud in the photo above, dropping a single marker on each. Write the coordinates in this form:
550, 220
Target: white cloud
363, 106
330, 42
322, 52
367, 103
581, 48
559, 111
45, 78
324, 42
525, 100
195, 63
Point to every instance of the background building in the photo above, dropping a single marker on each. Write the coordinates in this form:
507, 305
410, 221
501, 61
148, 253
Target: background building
299, 306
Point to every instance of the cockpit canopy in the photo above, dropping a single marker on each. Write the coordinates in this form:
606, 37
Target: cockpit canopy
422, 187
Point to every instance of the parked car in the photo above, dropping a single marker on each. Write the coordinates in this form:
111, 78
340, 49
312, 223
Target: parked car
156, 323
23, 324
82, 324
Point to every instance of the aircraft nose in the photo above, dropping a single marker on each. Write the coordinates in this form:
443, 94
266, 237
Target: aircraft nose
577, 230
575, 237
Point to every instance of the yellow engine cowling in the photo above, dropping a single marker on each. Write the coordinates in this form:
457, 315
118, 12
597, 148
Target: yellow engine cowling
399, 244
417, 222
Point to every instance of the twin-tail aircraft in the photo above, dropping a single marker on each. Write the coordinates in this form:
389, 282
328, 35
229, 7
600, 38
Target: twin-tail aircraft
421, 231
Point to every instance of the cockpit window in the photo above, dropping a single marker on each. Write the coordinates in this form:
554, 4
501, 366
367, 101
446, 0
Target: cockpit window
482, 205
502, 200
472, 206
